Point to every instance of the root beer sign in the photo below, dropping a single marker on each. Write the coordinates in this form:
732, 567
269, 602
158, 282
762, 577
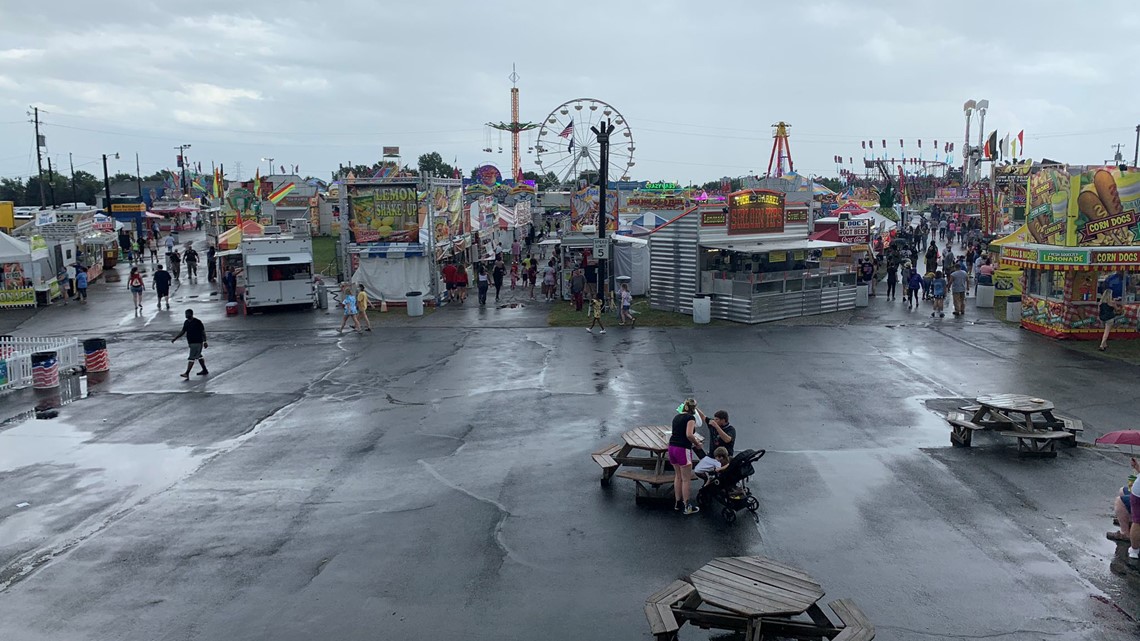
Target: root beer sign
755, 211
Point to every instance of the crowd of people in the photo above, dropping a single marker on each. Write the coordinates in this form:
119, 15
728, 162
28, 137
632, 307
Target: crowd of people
939, 273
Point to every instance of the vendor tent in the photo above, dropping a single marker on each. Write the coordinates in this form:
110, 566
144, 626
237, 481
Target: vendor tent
631, 259
850, 207
14, 250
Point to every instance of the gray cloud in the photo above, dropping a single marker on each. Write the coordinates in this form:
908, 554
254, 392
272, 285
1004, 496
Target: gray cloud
700, 83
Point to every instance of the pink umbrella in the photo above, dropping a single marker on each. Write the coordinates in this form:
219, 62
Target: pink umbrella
1123, 437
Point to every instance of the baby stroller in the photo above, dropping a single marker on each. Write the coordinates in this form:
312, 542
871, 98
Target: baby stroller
730, 487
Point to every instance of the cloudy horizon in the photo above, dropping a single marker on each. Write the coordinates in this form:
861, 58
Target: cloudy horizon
699, 85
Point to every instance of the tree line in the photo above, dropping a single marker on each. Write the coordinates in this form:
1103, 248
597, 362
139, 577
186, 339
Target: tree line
59, 189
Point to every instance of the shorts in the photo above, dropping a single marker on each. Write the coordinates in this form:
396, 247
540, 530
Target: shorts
679, 456
940, 297
195, 351
136, 290
81, 293
1133, 504
450, 286
625, 308
163, 292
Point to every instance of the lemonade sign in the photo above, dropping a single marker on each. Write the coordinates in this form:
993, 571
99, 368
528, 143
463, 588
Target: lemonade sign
385, 213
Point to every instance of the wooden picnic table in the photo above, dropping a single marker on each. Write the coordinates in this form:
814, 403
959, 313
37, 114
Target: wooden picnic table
643, 452
757, 596
1028, 419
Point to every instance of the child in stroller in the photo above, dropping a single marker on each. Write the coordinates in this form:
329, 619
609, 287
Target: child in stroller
729, 486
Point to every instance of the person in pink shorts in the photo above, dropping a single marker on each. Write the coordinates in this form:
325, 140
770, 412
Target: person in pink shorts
682, 440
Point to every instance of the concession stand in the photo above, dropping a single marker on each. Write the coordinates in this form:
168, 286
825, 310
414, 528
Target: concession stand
750, 260
1083, 227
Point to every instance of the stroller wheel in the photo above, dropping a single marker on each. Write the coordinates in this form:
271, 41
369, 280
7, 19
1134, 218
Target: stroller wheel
753, 504
729, 514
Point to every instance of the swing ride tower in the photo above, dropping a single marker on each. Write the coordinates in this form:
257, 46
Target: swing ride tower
514, 126
780, 150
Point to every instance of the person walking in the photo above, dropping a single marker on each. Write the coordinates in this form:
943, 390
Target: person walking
682, 440
532, 276
596, 314
482, 282
627, 306
497, 273
461, 280
135, 285
161, 284
548, 283
169, 243
175, 264
514, 274
195, 333
348, 302
63, 276
190, 257
1107, 313
577, 289
229, 282
913, 284
959, 283
448, 272
892, 278
938, 289
81, 283
362, 305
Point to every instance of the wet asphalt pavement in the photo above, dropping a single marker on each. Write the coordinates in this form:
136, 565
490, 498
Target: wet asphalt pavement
432, 479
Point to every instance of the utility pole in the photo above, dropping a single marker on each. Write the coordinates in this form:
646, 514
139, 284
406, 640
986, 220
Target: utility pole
39, 157
603, 131
1136, 149
138, 174
107, 186
182, 165
71, 164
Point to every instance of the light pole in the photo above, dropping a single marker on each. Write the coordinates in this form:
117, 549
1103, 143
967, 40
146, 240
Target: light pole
182, 164
983, 105
270, 161
107, 184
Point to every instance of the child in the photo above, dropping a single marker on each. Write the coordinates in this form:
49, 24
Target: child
515, 273
938, 290
927, 281
596, 314
714, 464
362, 305
626, 304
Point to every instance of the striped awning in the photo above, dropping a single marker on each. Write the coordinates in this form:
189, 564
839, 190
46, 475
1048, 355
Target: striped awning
388, 250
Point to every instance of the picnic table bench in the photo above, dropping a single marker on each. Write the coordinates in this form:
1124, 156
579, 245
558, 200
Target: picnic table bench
1013, 416
756, 596
650, 471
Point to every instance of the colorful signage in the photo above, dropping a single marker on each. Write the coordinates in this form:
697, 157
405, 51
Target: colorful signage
856, 231
389, 152
488, 175
20, 297
1019, 254
655, 202
384, 213
661, 187
755, 211
1062, 257
713, 219
796, 216
127, 207
1105, 207
1114, 257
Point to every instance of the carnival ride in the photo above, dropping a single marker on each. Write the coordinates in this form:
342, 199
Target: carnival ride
780, 150
514, 127
567, 148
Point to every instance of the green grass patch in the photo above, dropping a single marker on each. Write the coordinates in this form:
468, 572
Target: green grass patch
324, 255
1127, 350
564, 315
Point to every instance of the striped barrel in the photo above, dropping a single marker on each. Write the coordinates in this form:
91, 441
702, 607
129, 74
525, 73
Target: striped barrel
45, 370
95, 357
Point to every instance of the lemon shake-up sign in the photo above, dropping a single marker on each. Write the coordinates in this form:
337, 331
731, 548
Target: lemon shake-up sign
385, 213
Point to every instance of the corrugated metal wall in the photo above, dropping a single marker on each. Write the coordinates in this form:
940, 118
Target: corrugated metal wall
673, 265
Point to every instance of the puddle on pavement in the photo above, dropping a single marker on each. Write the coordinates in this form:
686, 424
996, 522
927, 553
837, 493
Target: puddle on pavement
512, 306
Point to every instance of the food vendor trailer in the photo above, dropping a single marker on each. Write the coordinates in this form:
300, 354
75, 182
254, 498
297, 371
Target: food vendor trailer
750, 261
278, 269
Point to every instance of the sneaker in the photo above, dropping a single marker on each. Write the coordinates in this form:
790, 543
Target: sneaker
941, 315
203, 372
932, 314
602, 332
1133, 553
590, 329
678, 506
692, 509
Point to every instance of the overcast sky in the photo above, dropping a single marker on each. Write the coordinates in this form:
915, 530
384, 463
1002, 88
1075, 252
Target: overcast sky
700, 83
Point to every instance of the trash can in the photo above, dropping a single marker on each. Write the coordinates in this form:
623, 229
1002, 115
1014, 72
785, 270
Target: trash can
1013, 309
45, 370
702, 310
862, 295
415, 303
985, 297
322, 296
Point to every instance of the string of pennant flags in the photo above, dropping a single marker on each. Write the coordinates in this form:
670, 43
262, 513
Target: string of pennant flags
1011, 146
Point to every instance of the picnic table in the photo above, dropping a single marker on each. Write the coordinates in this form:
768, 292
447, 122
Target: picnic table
1028, 419
643, 453
757, 596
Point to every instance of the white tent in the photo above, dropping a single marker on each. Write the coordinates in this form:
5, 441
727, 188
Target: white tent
14, 250
631, 258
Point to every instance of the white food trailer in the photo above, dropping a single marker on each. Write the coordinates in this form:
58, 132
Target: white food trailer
278, 269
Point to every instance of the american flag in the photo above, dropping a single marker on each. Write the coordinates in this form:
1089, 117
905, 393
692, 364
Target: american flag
568, 131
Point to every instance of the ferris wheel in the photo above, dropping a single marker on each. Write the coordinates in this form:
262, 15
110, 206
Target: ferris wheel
566, 147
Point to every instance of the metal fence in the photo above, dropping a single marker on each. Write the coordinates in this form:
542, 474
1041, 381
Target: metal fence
16, 353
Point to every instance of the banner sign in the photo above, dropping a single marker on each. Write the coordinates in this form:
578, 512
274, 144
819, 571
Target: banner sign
1114, 257
796, 216
19, 297
390, 151
127, 207
755, 211
384, 213
713, 219
856, 231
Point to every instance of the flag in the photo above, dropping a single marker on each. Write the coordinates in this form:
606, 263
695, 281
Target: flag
1021, 140
217, 184
282, 168
570, 147
282, 191
257, 183
568, 131
991, 145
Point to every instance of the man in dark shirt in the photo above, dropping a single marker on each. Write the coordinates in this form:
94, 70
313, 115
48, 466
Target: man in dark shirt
721, 433
195, 333
211, 267
162, 285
